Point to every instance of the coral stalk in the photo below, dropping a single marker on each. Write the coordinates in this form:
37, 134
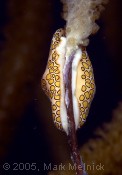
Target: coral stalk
71, 127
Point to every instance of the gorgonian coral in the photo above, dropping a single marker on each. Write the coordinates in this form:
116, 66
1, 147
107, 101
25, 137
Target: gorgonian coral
80, 16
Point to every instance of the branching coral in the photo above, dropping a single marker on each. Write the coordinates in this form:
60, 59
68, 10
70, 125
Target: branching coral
80, 16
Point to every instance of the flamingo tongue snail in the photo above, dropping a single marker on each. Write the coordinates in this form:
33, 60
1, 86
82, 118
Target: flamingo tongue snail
83, 85
68, 81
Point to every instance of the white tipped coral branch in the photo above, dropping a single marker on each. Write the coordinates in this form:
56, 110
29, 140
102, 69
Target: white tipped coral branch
80, 16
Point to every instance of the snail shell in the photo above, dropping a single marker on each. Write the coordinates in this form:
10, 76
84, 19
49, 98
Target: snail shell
83, 84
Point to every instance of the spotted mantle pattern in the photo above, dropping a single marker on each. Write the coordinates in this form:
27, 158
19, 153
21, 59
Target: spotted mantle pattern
85, 85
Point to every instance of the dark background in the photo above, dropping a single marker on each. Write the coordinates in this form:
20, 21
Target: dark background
27, 133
